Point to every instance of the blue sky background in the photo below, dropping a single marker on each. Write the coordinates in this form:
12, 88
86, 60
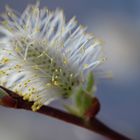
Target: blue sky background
117, 22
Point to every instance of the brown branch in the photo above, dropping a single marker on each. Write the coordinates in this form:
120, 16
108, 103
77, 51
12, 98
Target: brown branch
93, 124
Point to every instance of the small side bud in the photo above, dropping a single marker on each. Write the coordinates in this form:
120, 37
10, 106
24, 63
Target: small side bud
93, 109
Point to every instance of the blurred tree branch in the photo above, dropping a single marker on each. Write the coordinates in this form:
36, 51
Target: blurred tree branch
93, 124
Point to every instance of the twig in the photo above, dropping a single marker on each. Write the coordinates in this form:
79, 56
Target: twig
93, 124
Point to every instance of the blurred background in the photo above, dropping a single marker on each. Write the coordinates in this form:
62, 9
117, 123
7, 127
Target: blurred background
117, 23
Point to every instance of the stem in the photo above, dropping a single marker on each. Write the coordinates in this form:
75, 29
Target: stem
93, 124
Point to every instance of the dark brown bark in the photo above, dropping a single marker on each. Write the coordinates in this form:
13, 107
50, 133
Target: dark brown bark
92, 124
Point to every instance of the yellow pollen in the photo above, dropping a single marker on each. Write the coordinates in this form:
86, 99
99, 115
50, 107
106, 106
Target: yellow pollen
56, 83
33, 89
65, 61
17, 66
2, 72
37, 105
5, 60
26, 96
